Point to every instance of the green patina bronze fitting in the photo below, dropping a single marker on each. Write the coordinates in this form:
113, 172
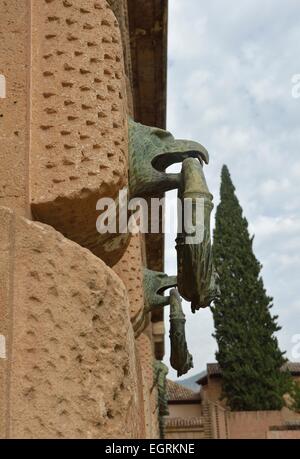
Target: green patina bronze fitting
160, 375
155, 283
196, 275
181, 360
151, 151
160, 379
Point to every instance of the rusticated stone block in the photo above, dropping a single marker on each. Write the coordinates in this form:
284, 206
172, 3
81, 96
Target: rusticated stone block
135, 421
145, 351
63, 122
130, 270
79, 128
14, 112
120, 10
70, 369
6, 223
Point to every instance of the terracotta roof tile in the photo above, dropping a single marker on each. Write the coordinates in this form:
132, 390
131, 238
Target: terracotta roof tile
176, 392
293, 367
214, 369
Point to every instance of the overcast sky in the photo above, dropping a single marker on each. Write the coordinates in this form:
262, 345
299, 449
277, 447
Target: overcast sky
229, 87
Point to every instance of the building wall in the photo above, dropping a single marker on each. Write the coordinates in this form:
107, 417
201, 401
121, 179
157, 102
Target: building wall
213, 390
248, 424
79, 142
254, 424
71, 363
150, 395
130, 270
222, 423
185, 410
284, 435
218, 423
14, 63
70, 368
190, 433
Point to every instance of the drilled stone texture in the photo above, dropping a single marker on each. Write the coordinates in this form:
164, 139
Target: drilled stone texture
71, 368
130, 270
79, 133
145, 350
14, 133
120, 10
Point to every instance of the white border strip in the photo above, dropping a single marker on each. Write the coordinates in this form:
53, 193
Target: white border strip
2, 347
2, 87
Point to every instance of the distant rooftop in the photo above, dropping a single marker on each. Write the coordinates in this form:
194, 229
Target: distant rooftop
214, 370
293, 367
184, 422
177, 393
191, 382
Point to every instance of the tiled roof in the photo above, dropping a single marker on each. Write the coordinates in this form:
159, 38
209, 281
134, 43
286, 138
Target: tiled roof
176, 392
214, 369
293, 367
290, 425
184, 422
191, 381
294, 423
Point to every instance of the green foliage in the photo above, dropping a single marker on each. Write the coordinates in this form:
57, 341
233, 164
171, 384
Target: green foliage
295, 394
248, 350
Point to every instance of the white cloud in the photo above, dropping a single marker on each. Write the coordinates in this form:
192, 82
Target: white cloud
267, 227
231, 65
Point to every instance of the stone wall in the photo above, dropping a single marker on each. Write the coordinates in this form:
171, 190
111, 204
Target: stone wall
14, 113
284, 434
70, 369
223, 424
252, 425
79, 130
184, 429
130, 270
212, 391
185, 410
257, 424
74, 360
150, 395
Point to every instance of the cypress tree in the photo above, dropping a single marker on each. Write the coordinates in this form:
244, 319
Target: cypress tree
248, 350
